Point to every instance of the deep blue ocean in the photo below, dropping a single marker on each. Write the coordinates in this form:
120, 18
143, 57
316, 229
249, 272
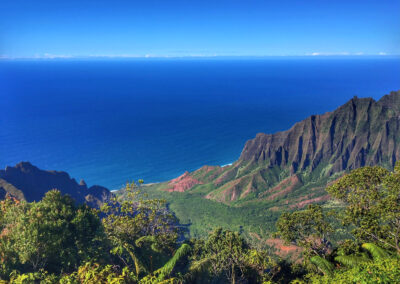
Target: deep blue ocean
110, 121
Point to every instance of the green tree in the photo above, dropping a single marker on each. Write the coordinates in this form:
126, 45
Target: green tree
8, 256
163, 273
226, 257
53, 234
142, 232
91, 272
381, 270
372, 198
226, 250
307, 228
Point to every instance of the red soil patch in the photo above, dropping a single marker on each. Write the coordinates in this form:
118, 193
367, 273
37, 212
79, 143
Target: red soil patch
283, 250
227, 191
235, 194
231, 191
207, 169
284, 187
309, 201
249, 189
255, 235
274, 209
221, 179
182, 183
305, 197
4, 232
333, 181
302, 198
227, 175
204, 170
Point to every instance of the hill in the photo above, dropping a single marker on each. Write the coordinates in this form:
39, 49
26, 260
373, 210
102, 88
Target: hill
275, 172
288, 169
27, 182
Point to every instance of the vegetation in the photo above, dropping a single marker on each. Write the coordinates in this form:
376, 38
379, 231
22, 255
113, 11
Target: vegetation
285, 170
371, 255
135, 239
201, 215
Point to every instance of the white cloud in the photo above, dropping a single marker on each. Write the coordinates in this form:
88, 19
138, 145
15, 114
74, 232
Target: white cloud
54, 56
345, 53
382, 53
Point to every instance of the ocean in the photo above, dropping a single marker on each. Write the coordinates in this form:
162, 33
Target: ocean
112, 121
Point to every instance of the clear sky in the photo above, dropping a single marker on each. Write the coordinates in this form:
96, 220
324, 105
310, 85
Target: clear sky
48, 28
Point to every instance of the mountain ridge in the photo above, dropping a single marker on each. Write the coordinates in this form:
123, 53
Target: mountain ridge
287, 166
286, 169
27, 182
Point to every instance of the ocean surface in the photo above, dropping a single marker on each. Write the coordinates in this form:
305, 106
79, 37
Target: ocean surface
112, 121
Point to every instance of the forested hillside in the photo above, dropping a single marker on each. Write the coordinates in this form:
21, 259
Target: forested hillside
136, 240
287, 170
319, 203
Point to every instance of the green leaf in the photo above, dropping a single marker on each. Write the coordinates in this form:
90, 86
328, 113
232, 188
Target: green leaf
323, 265
351, 260
375, 251
169, 266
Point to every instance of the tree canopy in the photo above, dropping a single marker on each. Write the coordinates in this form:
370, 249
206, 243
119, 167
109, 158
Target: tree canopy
134, 239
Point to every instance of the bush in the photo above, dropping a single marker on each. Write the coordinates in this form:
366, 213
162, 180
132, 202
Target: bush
380, 271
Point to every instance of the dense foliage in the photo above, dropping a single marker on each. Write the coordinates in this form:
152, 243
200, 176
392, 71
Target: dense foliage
134, 240
138, 240
371, 199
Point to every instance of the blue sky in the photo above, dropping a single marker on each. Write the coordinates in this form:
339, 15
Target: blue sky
58, 28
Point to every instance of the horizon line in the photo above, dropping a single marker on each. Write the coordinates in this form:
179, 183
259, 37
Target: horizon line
151, 56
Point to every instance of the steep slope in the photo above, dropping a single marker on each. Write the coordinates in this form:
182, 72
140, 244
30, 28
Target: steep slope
292, 167
361, 132
27, 182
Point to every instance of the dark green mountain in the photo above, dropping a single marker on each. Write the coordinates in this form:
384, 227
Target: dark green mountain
291, 168
27, 182
285, 170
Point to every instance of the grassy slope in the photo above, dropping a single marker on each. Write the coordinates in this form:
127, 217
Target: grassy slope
255, 215
249, 215
203, 215
251, 194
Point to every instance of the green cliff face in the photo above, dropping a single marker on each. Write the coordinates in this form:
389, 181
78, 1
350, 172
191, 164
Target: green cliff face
275, 172
362, 132
291, 168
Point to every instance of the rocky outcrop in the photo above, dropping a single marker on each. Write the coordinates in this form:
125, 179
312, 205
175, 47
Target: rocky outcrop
27, 182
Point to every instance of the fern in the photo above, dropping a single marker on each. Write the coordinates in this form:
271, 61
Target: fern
199, 265
138, 264
351, 260
197, 268
356, 260
323, 265
150, 240
375, 251
169, 266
